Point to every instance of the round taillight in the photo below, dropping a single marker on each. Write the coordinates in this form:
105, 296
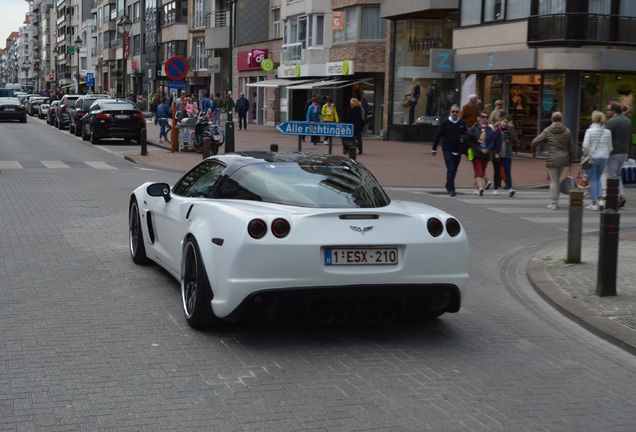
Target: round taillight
453, 228
280, 228
435, 227
257, 228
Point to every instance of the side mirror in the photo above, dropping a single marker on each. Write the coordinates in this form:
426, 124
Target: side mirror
159, 189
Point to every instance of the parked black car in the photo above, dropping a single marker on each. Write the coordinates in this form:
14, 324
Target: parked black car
113, 118
50, 115
80, 108
11, 108
62, 113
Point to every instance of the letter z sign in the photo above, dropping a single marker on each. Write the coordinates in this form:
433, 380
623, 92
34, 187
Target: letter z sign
442, 60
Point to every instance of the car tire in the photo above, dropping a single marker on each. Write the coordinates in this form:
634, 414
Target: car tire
76, 130
23, 120
94, 139
85, 136
57, 124
136, 234
196, 293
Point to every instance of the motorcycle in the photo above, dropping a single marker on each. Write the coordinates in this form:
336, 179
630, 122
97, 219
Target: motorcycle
196, 128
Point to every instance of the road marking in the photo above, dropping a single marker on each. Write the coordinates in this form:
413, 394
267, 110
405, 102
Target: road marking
54, 164
99, 165
10, 165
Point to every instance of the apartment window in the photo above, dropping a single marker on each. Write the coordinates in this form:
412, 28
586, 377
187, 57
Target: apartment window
176, 11
200, 12
276, 23
372, 26
174, 48
136, 12
601, 7
306, 30
136, 44
200, 57
471, 11
548, 7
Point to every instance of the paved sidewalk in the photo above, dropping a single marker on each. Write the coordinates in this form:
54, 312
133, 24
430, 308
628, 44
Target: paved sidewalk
570, 288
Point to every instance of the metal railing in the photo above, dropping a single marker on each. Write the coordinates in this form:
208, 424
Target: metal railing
217, 19
292, 53
575, 29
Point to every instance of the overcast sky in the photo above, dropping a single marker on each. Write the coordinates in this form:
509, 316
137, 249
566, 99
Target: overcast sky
11, 17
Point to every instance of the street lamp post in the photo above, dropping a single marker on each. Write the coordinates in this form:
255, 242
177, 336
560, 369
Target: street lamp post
78, 45
124, 25
26, 65
229, 125
55, 53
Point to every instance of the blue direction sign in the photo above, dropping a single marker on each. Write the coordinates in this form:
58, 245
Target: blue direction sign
316, 129
179, 85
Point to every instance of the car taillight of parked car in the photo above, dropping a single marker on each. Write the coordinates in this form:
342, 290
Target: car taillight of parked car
102, 116
138, 116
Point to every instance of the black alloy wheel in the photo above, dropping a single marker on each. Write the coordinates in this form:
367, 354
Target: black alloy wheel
196, 293
136, 234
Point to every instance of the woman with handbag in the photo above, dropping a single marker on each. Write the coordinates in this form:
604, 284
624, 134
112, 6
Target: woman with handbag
481, 139
597, 146
560, 149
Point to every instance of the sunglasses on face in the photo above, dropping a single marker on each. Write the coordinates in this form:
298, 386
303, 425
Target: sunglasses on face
454, 112
484, 116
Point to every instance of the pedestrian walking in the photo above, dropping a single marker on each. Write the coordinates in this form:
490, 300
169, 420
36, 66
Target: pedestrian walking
470, 111
451, 133
191, 107
315, 96
313, 115
242, 108
154, 104
329, 113
164, 115
355, 117
598, 144
561, 151
481, 139
621, 128
219, 105
505, 143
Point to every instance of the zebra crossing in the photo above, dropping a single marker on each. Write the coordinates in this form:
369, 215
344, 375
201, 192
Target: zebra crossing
529, 205
55, 164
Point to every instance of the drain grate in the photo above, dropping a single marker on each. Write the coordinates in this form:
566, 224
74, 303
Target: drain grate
627, 320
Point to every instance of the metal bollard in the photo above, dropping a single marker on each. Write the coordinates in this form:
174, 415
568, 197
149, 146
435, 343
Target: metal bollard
207, 144
229, 135
273, 148
142, 141
575, 226
608, 253
611, 194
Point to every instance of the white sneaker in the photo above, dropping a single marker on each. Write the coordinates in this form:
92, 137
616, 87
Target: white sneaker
476, 192
592, 207
511, 192
552, 206
495, 192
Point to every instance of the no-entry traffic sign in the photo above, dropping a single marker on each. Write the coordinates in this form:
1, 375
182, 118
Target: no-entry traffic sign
176, 68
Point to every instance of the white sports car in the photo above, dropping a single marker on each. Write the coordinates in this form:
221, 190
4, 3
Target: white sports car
297, 236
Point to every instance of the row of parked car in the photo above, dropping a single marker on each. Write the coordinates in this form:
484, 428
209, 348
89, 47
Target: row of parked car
94, 117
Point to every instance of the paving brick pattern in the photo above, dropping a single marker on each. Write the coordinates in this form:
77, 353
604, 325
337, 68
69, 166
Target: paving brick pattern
92, 342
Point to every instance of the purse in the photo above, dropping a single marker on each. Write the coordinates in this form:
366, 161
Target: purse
406, 102
567, 184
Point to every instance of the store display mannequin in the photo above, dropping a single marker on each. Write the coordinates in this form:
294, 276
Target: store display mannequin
415, 96
431, 101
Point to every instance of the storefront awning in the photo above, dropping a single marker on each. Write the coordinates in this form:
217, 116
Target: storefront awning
327, 84
273, 83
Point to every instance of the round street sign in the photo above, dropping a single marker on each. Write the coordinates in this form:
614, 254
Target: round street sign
176, 68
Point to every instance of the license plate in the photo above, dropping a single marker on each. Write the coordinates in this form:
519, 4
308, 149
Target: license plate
361, 256
122, 116
9, 109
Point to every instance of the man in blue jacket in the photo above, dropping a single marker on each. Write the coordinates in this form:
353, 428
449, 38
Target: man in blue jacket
451, 132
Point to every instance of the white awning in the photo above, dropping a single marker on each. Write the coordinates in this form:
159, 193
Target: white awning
326, 84
279, 82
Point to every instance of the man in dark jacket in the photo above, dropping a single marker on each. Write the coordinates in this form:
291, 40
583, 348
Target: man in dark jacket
451, 132
621, 128
242, 107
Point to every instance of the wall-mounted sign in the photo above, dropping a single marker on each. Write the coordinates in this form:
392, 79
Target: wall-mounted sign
251, 60
344, 67
337, 21
267, 65
214, 64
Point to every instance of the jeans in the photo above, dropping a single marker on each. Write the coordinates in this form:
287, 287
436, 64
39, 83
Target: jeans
452, 163
217, 116
163, 122
595, 172
507, 164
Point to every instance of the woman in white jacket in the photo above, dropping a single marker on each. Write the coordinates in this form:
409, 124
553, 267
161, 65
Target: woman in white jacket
597, 143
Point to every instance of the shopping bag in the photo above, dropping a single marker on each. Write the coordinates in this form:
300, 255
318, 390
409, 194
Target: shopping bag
567, 184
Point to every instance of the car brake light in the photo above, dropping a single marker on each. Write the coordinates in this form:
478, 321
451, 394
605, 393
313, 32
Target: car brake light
102, 116
435, 227
80, 113
280, 228
257, 228
138, 115
453, 227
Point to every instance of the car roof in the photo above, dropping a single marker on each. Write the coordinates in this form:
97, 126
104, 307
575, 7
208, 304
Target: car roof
10, 98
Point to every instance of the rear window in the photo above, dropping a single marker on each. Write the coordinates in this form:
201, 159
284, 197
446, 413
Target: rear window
116, 106
4, 92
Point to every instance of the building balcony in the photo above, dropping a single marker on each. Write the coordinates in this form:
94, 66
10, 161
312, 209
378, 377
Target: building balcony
217, 32
292, 53
577, 29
